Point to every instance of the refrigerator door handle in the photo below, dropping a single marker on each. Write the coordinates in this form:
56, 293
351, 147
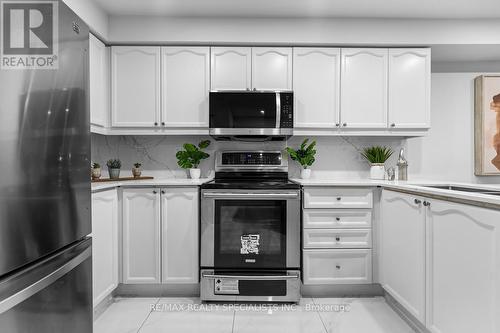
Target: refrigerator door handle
25, 293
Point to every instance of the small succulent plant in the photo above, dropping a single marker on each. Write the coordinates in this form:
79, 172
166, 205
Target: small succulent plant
96, 165
137, 165
377, 154
114, 164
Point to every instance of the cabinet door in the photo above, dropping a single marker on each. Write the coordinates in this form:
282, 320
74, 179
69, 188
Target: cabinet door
231, 68
272, 68
135, 85
337, 266
463, 268
141, 235
409, 88
98, 82
180, 258
402, 250
185, 86
316, 87
104, 244
364, 89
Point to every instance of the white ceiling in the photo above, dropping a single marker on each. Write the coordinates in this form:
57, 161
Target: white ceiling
452, 9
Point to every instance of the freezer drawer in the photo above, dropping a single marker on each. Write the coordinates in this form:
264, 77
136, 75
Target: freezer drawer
54, 295
337, 238
337, 266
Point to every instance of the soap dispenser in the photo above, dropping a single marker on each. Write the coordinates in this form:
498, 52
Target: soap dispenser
402, 166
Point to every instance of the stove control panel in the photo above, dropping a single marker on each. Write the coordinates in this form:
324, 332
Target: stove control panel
251, 158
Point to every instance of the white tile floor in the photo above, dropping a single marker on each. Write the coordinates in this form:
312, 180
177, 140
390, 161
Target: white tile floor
318, 315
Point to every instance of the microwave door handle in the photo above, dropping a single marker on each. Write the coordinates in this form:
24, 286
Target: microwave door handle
278, 110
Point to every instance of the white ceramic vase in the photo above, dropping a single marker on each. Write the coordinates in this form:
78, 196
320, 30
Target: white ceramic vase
305, 173
377, 171
194, 173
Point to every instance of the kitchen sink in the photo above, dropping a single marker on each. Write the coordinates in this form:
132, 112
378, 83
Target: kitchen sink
464, 189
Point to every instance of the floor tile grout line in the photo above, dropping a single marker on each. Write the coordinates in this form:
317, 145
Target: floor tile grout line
234, 316
319, 315
147, 317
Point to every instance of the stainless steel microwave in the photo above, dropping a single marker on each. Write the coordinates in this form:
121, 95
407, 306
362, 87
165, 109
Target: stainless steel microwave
251, 114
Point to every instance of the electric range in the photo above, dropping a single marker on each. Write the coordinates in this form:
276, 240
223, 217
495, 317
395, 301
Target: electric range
250, 229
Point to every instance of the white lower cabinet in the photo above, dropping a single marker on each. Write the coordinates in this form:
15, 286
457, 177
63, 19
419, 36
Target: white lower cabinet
141, 235
463, 268
104, 244
179, 208
402, 250
337, 266
160, 235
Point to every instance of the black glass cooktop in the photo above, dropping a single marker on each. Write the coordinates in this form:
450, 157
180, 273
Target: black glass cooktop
260, 184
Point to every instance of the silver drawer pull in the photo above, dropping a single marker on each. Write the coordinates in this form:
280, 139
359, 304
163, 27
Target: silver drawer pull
249, 195
337, 239
337, 267
252, 277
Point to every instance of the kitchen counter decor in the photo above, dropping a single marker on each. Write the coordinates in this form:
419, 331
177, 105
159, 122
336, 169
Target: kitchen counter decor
377, 156
191, 156
114, 166
305, 156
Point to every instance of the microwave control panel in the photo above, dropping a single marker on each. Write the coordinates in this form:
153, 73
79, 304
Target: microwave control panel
286, 120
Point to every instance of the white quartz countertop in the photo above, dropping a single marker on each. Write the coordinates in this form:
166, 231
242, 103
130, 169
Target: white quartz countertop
417, 187
149, 182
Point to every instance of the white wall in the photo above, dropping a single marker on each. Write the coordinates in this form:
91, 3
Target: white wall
144, 29
448, 152
92, 14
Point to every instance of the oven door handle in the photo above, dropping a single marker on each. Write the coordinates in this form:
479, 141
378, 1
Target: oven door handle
252, 277
249, 195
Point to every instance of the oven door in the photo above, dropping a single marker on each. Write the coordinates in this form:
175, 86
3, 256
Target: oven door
243, 229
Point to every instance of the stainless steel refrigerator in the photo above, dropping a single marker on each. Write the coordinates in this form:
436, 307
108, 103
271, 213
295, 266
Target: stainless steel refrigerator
45, 248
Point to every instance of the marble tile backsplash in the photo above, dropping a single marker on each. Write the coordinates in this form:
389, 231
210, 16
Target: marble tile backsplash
337, 157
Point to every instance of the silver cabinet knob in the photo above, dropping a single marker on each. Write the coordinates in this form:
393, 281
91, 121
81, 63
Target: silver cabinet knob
254, 89
337, 266
337, 239
344, 124
162, 192
418, 201
393, 125
248, 89
337, 218
156, 124
427, 203
339, 198
154, 192
162, 123
337, 124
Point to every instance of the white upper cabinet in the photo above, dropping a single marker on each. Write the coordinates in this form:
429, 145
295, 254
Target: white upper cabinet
364, 89
98, 82
141, 235
231, 68
463, 268
409, 88
272, 68
316, 86
104, 244
135, 85
185, 86
180, 258
402, 250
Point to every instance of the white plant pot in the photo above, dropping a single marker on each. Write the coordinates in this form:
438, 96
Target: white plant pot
305, 173
377, 171
194, 173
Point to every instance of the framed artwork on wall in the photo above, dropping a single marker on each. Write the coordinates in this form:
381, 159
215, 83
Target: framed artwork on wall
487, 125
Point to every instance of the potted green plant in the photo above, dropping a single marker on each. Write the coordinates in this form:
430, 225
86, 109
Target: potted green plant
114, 166
136, 170
191, 156
96, 171
377, 156
305, 156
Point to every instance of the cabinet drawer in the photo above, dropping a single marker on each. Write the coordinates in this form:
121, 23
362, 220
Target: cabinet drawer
337, 218
337, 239
337, 266
333, 197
